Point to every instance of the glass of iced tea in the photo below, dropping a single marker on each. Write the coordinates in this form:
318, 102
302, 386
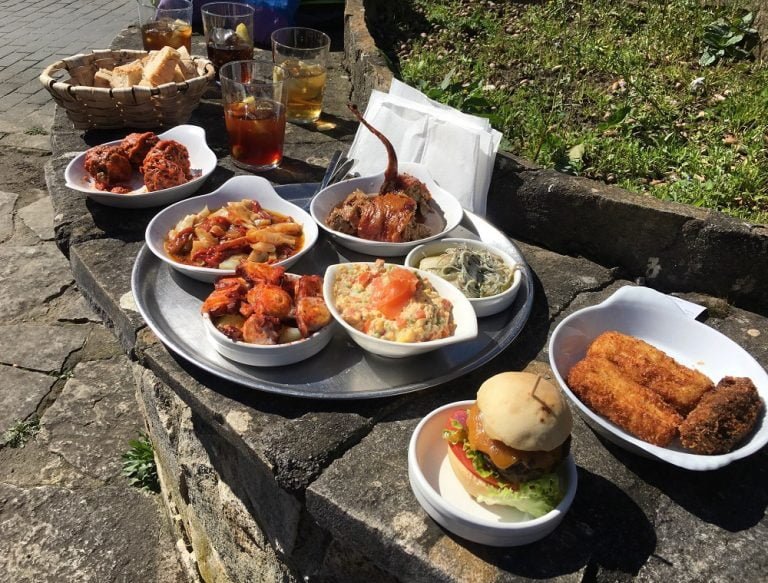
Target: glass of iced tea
228, 28
167, 24
254, 113
300, 56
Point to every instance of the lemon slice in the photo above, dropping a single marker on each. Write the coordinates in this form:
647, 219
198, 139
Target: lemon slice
242, 31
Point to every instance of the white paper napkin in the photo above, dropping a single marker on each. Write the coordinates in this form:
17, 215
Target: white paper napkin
458, 149
647, 295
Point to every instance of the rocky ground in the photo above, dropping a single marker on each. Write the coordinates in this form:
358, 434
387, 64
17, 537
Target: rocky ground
66, 387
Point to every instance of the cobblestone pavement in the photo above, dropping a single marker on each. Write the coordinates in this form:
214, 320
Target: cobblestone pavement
66, 512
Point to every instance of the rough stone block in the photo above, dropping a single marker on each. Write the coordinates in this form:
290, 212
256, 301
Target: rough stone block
21, 392
19, 265
44, 348
7, 203
94, 418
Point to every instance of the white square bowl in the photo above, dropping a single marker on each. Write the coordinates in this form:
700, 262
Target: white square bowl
201, 157
482, 306
653, 317
324, 202
463, 314
233, 190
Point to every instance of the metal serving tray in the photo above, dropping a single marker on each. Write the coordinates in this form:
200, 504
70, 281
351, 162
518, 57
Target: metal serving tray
170, 304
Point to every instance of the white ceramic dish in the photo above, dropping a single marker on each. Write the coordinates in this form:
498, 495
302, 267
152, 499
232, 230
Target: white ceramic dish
463, 314
442, 496
325, 200
234, 189
482, 306
654, 317
276, 355
201, 158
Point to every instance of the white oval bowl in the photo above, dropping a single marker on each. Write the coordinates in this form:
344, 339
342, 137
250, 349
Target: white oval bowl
201, 157
325, 200
442, 496
272, 355
483, 306
653, 317
233, 190
463, 315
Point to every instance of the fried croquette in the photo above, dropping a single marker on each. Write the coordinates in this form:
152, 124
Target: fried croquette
723, 417
603, 387
678, 385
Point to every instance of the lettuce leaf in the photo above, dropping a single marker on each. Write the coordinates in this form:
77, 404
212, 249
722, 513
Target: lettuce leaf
481, 465
456, 434
536, 497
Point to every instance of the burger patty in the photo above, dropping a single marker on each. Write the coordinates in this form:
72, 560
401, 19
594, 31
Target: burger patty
533, 466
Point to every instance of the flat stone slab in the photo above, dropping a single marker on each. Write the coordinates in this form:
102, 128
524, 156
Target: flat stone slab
38, 216
39, 347
51, 533
19, 266
21, 391
91, 422
76, 309
7, 202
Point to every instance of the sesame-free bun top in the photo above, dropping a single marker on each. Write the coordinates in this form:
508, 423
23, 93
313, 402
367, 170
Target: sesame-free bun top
524, 411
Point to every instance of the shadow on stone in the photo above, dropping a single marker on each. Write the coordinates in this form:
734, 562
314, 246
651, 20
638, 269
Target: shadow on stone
700, 493
591, 534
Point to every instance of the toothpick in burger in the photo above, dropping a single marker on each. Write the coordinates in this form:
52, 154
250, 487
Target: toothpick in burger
506, 448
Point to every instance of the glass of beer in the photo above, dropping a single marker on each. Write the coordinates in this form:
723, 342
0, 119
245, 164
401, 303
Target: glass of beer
168, 24
300, 56
228, 28
254, 113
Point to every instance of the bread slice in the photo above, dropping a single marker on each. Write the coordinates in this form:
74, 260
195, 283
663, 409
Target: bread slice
126, 75
186, 64
103, 78
161, 66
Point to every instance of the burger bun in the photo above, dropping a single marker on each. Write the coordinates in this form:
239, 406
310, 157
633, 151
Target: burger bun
472, 484
524, 411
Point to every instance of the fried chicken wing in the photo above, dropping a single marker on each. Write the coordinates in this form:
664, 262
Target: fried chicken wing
256, 273
678, 385
261, 329
723, 418
108, 165
227, 294
638, 410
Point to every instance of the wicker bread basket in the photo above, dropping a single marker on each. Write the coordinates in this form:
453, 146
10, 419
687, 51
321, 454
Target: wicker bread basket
69, 82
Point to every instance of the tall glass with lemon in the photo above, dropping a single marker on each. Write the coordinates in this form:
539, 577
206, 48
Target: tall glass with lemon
228, 28
300, 56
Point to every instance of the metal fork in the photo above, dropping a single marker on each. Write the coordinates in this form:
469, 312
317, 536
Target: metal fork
337, 169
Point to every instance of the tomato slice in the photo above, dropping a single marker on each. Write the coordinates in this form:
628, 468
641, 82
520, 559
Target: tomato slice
460, 415
391, 292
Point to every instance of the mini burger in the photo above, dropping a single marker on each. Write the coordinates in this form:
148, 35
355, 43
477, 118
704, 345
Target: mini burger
506, 448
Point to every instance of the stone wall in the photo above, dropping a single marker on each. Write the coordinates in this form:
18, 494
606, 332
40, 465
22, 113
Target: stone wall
236, 522
367, 64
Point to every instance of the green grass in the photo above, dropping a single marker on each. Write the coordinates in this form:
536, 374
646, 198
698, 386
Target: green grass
614, 91
139, 464
20, 432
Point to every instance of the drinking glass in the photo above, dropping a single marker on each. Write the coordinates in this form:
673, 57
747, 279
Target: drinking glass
168, 24
300, 56
254, 113
228, 28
